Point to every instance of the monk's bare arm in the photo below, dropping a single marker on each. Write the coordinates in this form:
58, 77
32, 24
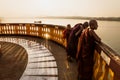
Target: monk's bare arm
96, 37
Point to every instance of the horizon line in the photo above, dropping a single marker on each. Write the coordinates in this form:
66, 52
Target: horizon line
64, 16
67, 17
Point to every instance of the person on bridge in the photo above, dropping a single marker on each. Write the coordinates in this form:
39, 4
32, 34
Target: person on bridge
66, 34
85, 51
73, 39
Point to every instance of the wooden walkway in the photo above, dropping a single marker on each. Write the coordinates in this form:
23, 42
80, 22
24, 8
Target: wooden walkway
13, 61
44, 63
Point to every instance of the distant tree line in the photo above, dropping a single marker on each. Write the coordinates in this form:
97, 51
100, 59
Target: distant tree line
88, 18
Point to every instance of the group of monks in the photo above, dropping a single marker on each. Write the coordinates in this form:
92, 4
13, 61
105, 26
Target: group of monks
81, 40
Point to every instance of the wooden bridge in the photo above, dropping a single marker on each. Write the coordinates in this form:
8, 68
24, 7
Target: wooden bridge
49, 37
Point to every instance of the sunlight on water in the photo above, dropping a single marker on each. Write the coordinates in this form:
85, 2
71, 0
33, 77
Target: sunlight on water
109, 31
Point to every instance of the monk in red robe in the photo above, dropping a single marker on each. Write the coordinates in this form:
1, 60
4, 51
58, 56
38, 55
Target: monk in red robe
85, 52
66, 34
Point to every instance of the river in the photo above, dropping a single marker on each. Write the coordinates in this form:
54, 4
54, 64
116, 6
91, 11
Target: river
109, 31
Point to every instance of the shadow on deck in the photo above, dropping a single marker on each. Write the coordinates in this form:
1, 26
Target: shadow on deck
13, 61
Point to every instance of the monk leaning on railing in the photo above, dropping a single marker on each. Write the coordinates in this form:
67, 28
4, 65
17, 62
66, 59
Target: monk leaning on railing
85, 52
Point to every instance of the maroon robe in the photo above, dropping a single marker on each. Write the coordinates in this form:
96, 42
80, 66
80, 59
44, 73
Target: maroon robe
73, 40
66, 34
85, 55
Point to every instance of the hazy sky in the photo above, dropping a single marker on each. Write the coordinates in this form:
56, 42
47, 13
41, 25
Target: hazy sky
36, 8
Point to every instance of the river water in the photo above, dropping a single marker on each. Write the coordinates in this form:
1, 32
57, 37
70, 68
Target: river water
109, 31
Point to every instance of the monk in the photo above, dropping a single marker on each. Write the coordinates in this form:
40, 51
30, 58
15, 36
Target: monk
73, 39
66, 34
85, 51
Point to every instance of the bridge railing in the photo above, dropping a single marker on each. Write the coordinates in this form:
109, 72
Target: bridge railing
52, 32
107, 62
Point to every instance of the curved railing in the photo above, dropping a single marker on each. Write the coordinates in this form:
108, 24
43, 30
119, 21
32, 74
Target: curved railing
107, 62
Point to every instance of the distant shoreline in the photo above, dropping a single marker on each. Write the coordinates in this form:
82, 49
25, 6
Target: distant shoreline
88, 18
67, 17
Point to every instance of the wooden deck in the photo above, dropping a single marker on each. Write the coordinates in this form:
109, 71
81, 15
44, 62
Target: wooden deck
46, 60
13, 61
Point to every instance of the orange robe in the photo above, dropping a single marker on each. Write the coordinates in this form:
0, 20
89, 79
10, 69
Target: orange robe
86, 46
